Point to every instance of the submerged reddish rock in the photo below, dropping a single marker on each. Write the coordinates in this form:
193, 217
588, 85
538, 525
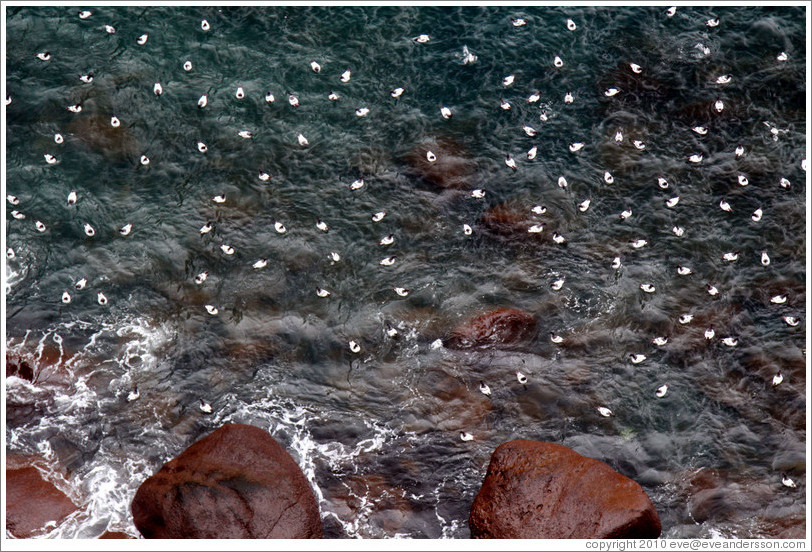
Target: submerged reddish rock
537, 490
504, 326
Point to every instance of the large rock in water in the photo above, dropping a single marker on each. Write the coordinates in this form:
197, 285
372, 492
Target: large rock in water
537, 490
500, 327
32, 502
237, 483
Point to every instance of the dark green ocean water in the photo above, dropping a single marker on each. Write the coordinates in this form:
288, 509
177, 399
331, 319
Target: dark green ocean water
377, 432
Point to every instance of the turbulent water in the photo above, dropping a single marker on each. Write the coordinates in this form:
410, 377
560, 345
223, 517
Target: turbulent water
377, 431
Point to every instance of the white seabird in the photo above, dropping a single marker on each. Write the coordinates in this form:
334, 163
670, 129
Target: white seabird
354, 347
531, 153
605, 412
227, 249
141, 40
200, 278
187, 65
89, 230
205, 407
212, 310
126, 229
345, 76
101, 298
662, 390
791, 321
321, 292
403, 292
465, 436
765, 259
260, 263
80, 284
66, 298
357, 184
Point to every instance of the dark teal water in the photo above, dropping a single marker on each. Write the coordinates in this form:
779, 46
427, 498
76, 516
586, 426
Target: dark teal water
377, 432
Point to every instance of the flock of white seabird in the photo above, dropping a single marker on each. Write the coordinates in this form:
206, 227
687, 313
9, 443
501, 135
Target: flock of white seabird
511, 163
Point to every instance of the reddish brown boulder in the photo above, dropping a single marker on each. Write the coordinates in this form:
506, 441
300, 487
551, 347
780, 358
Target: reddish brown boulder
237, 482
537, 490
501, 327
19, 367
32, 502
115, 535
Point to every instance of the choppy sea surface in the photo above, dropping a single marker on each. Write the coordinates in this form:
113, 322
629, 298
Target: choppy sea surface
377, 431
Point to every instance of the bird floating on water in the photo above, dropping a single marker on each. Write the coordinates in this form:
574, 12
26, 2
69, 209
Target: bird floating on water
555, 338
301, 139
765, 259
144, 160
133, 395
200, 278
637, 358
558, 238
467, 230
725, 206
315, 66
510, 162
321, 292
531, 153
87, 78
261, 263
535, 229
357, 184
205, 25
730, 341
539, 209
782, 56
558, 62
625, 213
609, 92
12, 199
387, 240
89, 230
141, 40
354, 347
50, 159
508, 80
484, 389
638, 243
387, 261
636, 68
345, 76
791, 321
530, 131
616, 263
660, 341
101, 298
80, 284
788, 482
534, 97
709, 333
662, 390
202, 148
571, 25
110, 29
279, 227
605, 412
575, 146
227, 249
568, 98
778, 299
269, 97
75, 108
700, 130
157, 89
684, 270
397, 92
731, 256
584, 205
671, 11
639, 144
724, 79
321, 225
672, 202
66, 298
465, 436
10, 253
648, 288
247, 134
378, 217
240, 93
777, 379
220, 198
713, 22
743, 180
685, 318
518, 22
719, 105
401, 291
390, 331
430, 156
712, 290
362, 111
40, 226
558, 284
757, 214
293, 100
479, 193
205, 407
126, 229
206, 228
187, 65
504, 104
662, 182
608, 178
84, 14
212, 310
784, 183
422, 39
521, 378
17, 215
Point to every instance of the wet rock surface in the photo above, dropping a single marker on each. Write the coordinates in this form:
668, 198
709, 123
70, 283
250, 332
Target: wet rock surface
237, 482
32, 503
547, 491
